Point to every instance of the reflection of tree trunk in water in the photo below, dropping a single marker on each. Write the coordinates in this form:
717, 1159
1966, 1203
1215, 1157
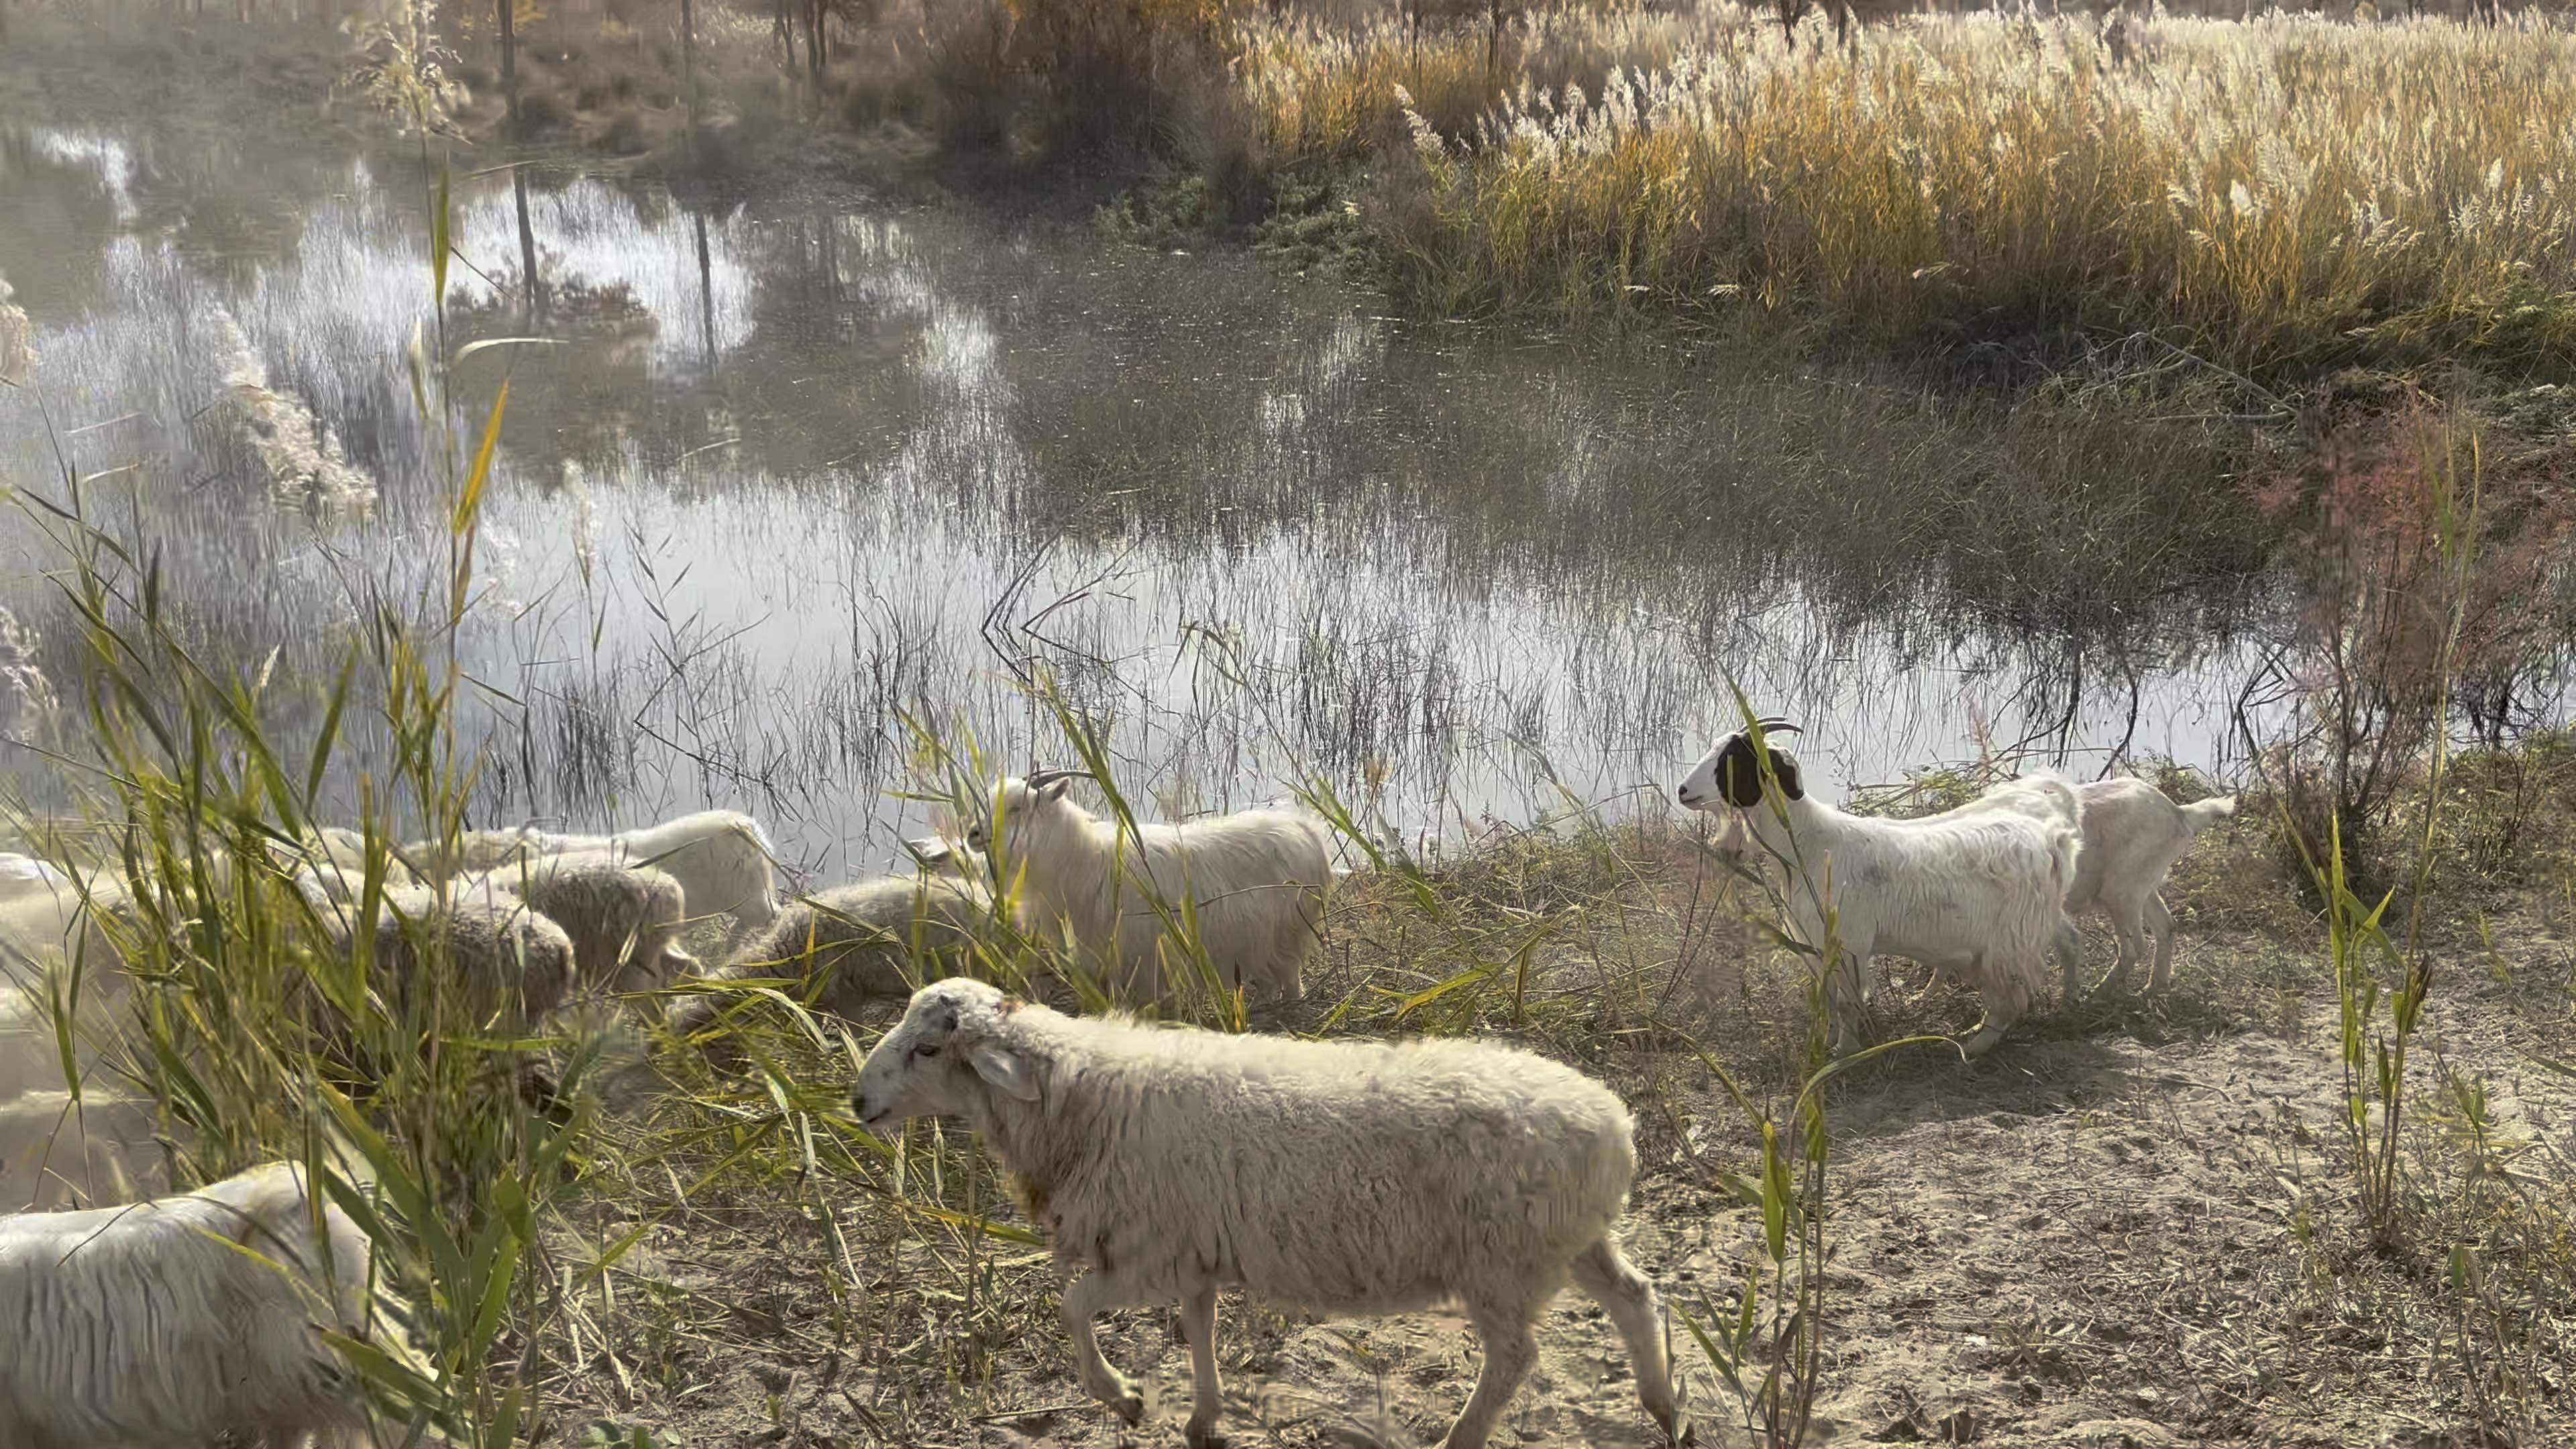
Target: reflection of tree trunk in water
510, 58
535, 294
706, 292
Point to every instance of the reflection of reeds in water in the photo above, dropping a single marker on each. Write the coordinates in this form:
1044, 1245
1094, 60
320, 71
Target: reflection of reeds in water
304, 463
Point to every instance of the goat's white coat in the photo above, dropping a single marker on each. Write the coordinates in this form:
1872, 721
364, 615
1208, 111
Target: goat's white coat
1979, 896
1345, 1177
2133, 835
1256, 881
149, 1326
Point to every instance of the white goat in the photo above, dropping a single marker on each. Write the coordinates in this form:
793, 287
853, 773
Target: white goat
175, 1322
2133, 835
1979, 896
854, 944
1346, 1177
107, 1149
1255, 880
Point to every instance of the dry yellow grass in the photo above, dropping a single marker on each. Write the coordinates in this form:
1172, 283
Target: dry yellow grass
2289, 191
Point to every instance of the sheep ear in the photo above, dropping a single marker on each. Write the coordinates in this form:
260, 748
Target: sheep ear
1005, 1069
1785, 766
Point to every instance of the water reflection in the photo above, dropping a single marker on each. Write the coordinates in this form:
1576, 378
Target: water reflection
786, 476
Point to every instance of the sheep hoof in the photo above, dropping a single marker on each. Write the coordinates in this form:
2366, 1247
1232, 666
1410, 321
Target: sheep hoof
1203, 1436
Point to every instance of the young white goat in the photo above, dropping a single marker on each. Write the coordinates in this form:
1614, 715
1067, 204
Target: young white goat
181, 1320
2132, 837
1254, 880
1978, 896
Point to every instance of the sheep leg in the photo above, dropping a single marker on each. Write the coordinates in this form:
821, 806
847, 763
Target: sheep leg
2003, 1007
1198, 1325
1511, 1346
2160, 924
2070, 960
1087, 1298
1623, 1292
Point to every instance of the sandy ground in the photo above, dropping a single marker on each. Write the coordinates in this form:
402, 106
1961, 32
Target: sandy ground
2092, 1240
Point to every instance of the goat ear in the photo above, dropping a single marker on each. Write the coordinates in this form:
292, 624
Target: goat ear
1785, 766
1056, 790
1739, 780
1005, 1068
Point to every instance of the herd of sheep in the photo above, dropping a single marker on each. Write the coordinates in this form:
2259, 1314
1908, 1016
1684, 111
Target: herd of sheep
1163, 1164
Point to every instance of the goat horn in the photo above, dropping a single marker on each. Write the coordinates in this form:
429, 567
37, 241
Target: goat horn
1775, 725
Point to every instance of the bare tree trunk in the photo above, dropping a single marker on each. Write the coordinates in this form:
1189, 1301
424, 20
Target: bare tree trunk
510, 58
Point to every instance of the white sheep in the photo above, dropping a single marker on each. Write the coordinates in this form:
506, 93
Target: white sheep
2132, 835
1979, 896
853, 944
722, 858
153, 1324
624, 920
53, 1153
1255, 881
1344, 1177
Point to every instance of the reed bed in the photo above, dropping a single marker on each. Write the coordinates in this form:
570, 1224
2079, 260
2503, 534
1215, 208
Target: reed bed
2281, 193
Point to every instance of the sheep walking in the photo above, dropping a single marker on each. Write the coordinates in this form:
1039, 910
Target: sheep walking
624, 920
153, 1324
1349, 1177
853, 944
2133, 835
1255, 881
1979, 895
54, 1154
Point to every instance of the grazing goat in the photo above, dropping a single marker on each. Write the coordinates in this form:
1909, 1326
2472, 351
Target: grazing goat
1254, 880
1978, 896
175, 1322
1345, 1177
2133, 835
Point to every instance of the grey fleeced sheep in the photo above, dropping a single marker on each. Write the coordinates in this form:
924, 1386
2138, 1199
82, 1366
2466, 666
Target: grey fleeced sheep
722, 858
853, 944
175, 1322
511, 964
1350, 1177
624, 920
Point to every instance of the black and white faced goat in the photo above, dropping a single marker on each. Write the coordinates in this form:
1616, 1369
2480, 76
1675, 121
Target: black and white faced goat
1979, 897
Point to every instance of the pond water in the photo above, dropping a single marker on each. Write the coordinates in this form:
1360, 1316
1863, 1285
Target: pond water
778, 479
